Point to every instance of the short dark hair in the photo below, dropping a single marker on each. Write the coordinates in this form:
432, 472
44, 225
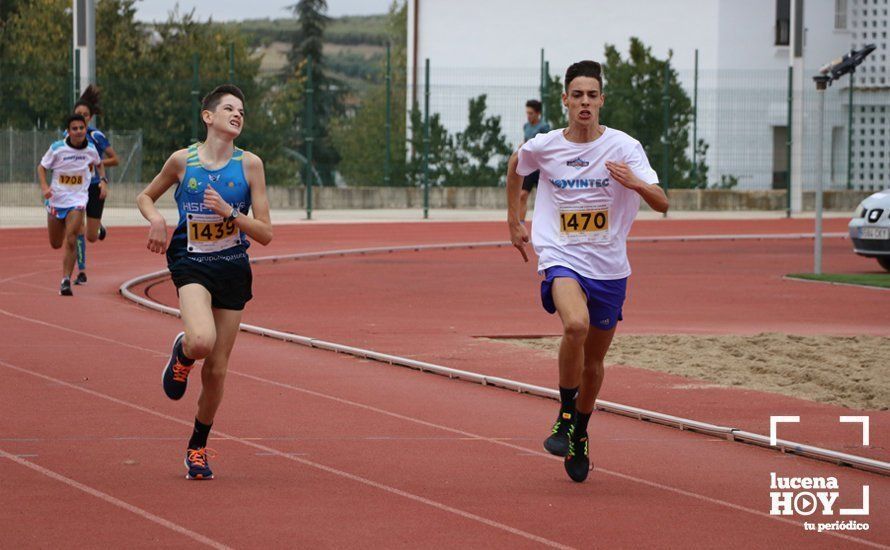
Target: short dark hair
74, 118
584, 68
534, 104
90, 99
211, 100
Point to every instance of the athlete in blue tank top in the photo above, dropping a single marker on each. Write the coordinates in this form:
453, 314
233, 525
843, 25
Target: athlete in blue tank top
198, 233
217, 185
88, 107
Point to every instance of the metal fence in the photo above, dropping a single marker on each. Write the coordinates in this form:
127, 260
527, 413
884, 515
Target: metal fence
404, 129
21, 151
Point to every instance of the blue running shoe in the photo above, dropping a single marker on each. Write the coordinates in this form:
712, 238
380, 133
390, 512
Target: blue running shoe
175, 373
196, 462
577, 461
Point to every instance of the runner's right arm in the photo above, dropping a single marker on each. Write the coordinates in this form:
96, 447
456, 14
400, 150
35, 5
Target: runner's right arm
44, 187
170, 175
45, 162
518, 232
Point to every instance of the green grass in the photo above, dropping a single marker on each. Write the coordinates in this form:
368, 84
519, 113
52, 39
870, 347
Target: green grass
880, 280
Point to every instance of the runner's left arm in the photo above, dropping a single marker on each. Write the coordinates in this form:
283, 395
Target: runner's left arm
652, 193
259, 227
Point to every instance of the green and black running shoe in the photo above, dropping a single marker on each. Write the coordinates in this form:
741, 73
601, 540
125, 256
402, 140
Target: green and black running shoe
577, 461
558, 442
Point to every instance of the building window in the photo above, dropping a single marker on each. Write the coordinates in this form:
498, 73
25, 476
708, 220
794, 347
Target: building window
783, 22
840, 14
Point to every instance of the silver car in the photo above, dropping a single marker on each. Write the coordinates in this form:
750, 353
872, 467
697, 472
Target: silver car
870, 228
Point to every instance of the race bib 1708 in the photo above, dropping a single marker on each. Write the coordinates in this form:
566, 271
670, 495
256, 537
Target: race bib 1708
70, 179
211, 233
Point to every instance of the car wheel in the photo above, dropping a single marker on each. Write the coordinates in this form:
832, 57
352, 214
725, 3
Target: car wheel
885, 262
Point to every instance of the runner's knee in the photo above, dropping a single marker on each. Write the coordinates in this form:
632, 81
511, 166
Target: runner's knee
576, 329
71, 239
198, 345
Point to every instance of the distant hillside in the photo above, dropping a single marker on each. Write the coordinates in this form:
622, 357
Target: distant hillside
354, 45
351, 29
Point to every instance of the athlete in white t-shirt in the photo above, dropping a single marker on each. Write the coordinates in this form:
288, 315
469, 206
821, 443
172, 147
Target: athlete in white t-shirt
71, 161
592, 178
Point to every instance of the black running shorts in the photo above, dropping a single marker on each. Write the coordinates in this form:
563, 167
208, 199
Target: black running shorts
226, 276
95, 205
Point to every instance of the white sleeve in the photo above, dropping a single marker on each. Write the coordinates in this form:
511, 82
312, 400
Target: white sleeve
94, 156
528, 158
48, 158
639, 163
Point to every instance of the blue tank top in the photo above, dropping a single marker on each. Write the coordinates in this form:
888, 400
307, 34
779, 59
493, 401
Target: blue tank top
201, 234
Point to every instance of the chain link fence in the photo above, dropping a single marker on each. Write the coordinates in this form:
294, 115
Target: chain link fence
458, 129
21, 151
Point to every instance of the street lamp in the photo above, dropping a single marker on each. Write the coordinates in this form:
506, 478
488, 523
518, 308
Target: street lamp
828, 74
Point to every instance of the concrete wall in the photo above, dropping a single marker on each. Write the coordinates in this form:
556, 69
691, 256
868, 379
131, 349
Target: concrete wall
333, 198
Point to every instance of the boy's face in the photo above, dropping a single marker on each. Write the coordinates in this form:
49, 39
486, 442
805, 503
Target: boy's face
77, 131
584, 100
228, 117
532, 115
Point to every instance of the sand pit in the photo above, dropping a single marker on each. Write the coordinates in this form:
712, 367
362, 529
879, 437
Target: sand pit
849, 371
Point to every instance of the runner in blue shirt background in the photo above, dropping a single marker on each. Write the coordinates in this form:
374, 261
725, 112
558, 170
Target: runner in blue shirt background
88, 107
530, 129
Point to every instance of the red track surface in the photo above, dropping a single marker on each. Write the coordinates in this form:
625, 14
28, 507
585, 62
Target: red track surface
318, 449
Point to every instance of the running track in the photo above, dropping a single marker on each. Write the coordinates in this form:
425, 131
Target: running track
319, 449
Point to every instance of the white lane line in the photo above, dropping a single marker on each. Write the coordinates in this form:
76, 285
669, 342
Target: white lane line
430, 424
541, 454
328, 469
145, 514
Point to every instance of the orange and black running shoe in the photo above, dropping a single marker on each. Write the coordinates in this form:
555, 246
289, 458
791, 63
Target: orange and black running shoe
176, 374
197, 464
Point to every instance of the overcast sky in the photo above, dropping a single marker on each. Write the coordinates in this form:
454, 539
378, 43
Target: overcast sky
229, 10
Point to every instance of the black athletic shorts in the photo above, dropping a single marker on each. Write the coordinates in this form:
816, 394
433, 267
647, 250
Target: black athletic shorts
95, 205
530, 181
226, 276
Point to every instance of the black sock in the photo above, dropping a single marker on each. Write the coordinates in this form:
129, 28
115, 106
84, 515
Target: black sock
567, 399
199, 435
581, 424
180, 355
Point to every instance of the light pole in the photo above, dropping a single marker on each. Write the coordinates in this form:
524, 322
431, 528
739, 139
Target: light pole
828, 74
822, 82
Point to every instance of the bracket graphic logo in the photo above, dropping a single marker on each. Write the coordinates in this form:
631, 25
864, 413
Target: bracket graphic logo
805, 496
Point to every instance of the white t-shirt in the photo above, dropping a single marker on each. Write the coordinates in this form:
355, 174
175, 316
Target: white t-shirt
71, 173
582, 218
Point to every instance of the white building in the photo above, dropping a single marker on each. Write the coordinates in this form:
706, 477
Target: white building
494, 47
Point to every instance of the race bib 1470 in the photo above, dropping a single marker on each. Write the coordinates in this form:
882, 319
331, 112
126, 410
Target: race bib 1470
584, 225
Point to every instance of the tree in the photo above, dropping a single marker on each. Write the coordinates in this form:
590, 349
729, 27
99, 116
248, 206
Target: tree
36, 42
360, 138
326, 92
553, 108
476, 147
440, 154
634, 90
